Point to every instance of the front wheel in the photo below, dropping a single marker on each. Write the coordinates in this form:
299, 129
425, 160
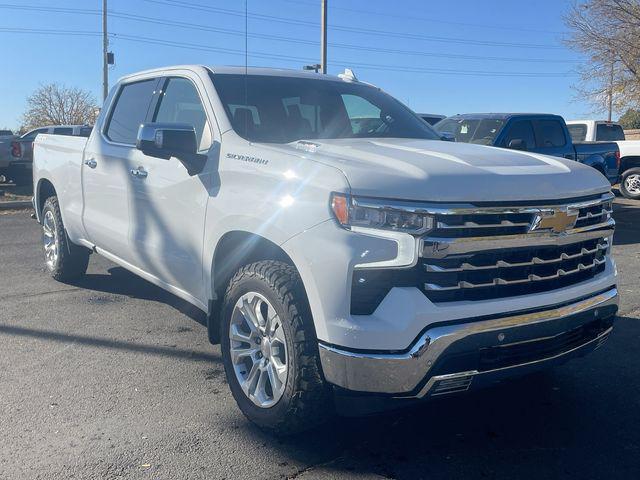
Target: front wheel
270, 351
63, 260
630, 183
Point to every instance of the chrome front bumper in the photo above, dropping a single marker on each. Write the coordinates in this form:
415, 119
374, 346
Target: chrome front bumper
418, 371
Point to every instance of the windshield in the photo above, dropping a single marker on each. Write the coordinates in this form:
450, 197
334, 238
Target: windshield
482, 131
285, 109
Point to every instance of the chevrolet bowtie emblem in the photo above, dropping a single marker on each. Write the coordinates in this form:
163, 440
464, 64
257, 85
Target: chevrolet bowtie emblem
558, 222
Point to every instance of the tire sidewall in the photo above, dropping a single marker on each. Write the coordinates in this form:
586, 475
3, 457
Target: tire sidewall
623, 189
274, 414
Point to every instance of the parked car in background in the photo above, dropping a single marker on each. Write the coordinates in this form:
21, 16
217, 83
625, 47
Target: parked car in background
341, 264
431, 118
599, 130
6, 137
19, 166
538, 133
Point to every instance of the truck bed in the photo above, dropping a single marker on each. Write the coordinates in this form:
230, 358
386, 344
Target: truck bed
587, 152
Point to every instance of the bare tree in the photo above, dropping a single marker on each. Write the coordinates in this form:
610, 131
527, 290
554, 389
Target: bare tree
608, 33
55, 104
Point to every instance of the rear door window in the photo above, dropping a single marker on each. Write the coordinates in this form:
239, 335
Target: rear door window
520, 130
549, 133
130, 111
608, 132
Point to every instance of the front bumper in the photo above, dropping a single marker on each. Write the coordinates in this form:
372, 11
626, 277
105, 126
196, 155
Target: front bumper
454, 357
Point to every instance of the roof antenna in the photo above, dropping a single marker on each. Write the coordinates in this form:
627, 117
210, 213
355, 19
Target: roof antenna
246, 64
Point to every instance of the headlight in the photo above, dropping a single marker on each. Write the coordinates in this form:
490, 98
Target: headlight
349, 212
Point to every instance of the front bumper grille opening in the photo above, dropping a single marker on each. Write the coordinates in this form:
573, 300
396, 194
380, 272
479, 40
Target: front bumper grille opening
504, 356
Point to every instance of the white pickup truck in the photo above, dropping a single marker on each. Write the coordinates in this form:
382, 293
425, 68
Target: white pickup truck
600, 130
341, 267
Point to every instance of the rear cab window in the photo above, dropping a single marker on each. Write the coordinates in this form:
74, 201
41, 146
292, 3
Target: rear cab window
63, 131
130, 111
578, 132
609, 132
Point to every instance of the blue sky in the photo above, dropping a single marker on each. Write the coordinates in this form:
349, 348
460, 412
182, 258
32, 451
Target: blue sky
436, 56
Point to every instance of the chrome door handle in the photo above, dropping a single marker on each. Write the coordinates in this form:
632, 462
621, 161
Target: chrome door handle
91, 163
139, 172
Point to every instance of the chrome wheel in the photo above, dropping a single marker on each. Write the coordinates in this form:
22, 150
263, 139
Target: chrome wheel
50, 240
258, 349
632, 184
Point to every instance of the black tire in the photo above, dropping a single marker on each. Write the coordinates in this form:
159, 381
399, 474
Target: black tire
623, 184
306, 401
71, 260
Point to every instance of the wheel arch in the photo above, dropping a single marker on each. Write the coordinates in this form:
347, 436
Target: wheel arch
235, 249
629, 162
44, 190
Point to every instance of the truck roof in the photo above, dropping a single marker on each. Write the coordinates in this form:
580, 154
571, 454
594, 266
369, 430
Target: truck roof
241, 70
502, 116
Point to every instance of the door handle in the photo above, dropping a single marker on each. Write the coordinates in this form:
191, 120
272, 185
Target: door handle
139, 172
91, 163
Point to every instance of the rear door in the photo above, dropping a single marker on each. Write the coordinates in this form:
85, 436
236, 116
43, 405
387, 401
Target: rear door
106, 176
168, 206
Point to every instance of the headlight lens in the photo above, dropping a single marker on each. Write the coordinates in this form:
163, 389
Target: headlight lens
349, 214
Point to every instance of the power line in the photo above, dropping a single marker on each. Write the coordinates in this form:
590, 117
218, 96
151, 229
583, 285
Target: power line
431, 20
189, 25
351, 29
298, 60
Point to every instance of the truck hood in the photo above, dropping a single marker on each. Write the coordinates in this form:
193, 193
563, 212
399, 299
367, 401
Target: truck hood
433, 170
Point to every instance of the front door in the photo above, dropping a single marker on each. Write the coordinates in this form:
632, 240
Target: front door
168, 206
106, 179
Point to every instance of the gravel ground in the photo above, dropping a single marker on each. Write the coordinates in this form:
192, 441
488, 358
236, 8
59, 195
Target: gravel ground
113, 378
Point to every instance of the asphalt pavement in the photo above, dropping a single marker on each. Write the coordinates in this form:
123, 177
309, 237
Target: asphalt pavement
111, 377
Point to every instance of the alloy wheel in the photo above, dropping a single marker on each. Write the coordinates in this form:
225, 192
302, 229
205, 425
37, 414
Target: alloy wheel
258, 349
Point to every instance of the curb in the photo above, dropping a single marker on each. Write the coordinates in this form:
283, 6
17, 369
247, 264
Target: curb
15, 205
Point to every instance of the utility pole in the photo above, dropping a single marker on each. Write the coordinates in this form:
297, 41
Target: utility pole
610, 99
105, 46
323, 37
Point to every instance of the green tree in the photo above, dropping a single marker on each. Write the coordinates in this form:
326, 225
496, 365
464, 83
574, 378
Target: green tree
630, 120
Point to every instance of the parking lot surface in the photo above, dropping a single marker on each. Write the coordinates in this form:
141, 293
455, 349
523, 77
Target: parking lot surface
111, 377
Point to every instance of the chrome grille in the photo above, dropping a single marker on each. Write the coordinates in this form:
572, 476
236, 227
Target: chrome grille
497, 252
481, 252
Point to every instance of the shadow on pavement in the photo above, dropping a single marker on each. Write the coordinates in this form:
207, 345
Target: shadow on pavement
52, 336
120, 281
555, 424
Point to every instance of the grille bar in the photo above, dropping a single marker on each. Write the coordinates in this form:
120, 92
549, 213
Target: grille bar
504, 264
530, 278
470, 224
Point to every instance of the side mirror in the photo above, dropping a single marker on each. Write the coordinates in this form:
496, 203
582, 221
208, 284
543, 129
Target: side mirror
447, 137
166, 140
517, 144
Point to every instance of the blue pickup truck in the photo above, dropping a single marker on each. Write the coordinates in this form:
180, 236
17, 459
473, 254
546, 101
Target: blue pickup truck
539, 133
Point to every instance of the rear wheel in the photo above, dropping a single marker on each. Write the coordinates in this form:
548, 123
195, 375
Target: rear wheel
63, 259
270, 350
630, 183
